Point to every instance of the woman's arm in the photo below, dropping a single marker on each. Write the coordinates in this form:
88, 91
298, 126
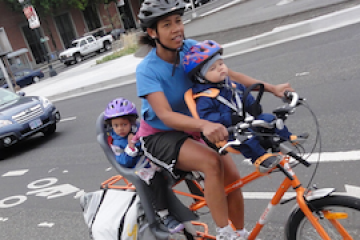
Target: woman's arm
213, 131
277, 90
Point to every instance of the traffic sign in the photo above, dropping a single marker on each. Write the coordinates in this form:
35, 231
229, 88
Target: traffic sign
32, 17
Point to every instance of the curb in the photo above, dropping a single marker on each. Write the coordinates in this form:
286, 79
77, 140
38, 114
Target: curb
96, 87
294, 31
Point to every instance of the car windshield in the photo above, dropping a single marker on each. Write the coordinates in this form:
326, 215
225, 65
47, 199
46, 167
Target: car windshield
7, 96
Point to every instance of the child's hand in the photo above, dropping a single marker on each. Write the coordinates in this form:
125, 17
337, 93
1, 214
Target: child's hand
131, 144
132, 152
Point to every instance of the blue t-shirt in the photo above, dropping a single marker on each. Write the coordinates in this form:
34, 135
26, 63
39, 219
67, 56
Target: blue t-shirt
155, 75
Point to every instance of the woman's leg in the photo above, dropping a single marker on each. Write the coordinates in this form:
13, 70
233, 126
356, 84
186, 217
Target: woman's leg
194, 156
235, 198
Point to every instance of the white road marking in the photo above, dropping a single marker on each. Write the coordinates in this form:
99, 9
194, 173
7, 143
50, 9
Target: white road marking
326, 157
335, 156
68, 119
79, 194
349, 190
108, 169
302, 74
51, 170
283, 2
15, 173
3, 219
220, 8
353, 190
46, 224
65, 171
265, 195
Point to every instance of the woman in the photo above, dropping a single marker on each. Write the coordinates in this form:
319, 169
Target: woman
166, 127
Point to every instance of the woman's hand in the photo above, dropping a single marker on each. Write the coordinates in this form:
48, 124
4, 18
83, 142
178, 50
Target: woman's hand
281, 88
214, 132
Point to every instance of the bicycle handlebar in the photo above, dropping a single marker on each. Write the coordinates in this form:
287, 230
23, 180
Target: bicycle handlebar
241, 129
293, 96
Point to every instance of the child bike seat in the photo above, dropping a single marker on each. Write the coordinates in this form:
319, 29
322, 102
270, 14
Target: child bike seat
190, 100
175, 205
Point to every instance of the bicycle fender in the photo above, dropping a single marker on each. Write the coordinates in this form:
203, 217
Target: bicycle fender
319, 193
312, 195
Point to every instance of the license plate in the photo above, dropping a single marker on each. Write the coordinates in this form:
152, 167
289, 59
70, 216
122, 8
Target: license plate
35, 124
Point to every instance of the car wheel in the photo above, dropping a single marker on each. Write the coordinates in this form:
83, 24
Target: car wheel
67, 63
78, 58
107, 46
50, 130
36, 79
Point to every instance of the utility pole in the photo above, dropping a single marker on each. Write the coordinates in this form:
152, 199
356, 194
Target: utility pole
3, 69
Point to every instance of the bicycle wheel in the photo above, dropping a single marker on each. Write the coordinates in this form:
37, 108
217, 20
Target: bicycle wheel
347, 211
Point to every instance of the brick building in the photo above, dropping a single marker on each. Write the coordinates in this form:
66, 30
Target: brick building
64, 26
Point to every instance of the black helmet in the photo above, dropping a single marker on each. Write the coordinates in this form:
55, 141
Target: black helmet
152, 10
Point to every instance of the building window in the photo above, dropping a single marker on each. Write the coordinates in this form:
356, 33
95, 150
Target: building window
65, 28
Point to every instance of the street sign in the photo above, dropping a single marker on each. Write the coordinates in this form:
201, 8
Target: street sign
120, 3
32, 17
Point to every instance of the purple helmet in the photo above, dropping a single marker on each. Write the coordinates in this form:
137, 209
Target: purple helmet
120, 107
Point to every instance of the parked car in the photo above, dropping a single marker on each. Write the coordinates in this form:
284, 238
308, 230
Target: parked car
85, 46
24, 77
117, 32
22, 117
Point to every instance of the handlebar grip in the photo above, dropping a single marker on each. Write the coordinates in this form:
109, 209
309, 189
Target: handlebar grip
300, 159
231, 129
287, 94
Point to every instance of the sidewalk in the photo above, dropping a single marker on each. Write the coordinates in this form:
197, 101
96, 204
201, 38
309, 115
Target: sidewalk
89, 77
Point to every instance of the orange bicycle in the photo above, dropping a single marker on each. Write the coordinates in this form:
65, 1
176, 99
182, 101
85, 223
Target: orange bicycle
317, 214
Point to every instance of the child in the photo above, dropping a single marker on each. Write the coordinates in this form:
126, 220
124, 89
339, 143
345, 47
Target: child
121, 115
204, 65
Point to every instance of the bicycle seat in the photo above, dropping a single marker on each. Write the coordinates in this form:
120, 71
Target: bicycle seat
175, 206
190, 100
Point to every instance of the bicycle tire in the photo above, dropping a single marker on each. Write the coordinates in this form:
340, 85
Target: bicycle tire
300, 228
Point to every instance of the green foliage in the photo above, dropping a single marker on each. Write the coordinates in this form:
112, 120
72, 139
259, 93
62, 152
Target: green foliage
123, 52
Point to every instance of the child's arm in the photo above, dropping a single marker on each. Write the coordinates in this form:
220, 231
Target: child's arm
209, 110
131, 143
124, 155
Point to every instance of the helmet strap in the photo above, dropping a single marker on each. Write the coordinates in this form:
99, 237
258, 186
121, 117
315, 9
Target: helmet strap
200, 78
177, 53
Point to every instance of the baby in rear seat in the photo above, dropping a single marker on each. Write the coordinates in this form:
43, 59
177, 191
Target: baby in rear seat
121, 115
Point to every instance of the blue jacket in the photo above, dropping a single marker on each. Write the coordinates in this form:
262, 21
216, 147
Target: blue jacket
212, 109
121, 157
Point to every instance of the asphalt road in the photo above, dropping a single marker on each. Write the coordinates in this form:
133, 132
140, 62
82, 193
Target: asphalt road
40, 201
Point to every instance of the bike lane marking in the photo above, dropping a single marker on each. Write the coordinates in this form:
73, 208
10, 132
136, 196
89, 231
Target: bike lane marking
15, 173
47, 188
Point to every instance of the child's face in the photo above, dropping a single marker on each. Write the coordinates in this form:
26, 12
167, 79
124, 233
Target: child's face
121, 126
217, 72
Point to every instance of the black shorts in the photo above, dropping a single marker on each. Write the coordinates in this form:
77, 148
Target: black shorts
163, 149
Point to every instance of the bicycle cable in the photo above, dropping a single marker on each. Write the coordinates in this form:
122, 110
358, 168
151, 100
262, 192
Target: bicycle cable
317, 141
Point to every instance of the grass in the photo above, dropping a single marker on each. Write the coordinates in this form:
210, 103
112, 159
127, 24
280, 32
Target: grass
130, 46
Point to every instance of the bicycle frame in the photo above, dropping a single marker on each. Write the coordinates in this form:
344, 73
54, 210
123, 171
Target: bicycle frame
290, 180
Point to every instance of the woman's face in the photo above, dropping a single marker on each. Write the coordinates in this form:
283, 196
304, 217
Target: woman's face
170, 31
